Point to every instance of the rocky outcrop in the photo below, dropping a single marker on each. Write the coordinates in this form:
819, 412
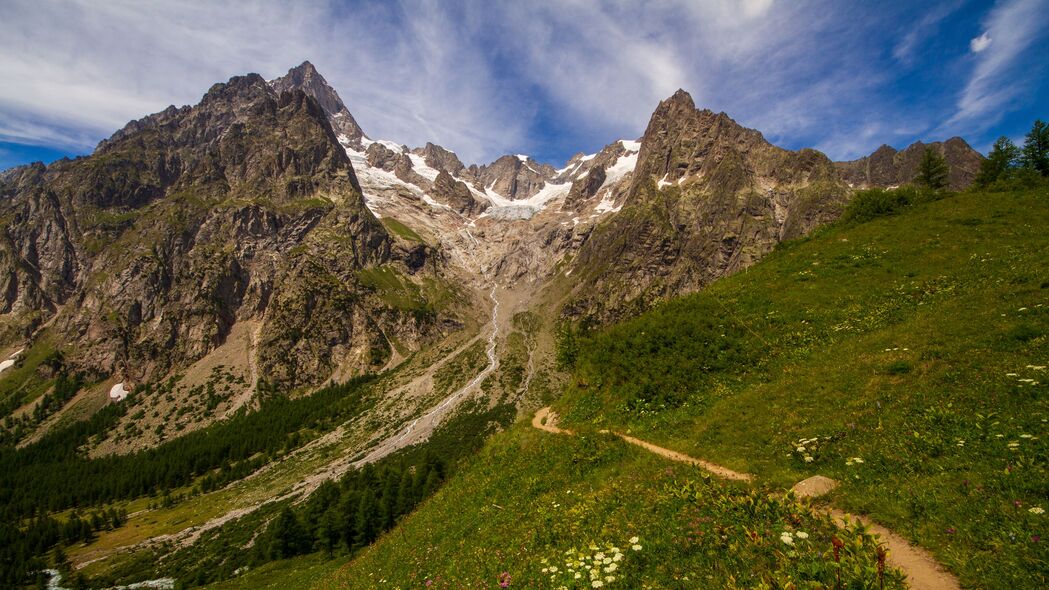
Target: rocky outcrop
514, 177
588, 174
887, 167
456, 195
438, 158
243, 207
707, 198
307, 79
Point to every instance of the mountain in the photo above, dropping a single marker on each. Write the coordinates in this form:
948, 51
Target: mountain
228, 306
307, 79
234, 225
887, 167
707, 198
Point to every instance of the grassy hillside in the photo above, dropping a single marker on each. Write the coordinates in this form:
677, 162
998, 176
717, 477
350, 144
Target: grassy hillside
917, 342
536, 509
904, 355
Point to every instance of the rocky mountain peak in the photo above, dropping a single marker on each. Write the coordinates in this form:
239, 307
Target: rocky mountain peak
682, 142
513, 176
439, 158
681, 99
888, 167
456, 194
306, 78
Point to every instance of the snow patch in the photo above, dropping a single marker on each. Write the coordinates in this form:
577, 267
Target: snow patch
606, 205
522, 157
11, 360
631, 146
374, 179
624, 165
424, 170
118, 393
663, 181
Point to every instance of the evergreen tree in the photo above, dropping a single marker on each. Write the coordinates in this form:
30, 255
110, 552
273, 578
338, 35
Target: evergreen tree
1036, 149
932, 170
388, 500
405, 494
289, 538
367, 519
1001, 159
433, 481
348, 517
328, 533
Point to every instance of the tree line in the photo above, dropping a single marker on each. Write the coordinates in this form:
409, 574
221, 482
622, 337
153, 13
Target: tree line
37, 479
21, 547
1005, 162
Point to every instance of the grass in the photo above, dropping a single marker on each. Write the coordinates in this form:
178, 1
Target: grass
917, 342
394, 290
401, 230
299, 572
533, 505
23, 383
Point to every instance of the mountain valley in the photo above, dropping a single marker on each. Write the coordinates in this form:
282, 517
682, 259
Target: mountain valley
332, 348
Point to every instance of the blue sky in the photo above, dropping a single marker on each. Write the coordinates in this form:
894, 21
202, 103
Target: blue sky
547, 78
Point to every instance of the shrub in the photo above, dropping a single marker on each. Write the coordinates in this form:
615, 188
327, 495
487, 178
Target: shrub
876, 202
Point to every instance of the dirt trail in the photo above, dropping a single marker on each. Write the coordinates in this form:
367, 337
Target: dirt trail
922, 570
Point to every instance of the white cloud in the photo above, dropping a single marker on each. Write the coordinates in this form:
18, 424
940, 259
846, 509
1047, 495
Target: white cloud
756, 8
490, 77
1014, 25
980, 43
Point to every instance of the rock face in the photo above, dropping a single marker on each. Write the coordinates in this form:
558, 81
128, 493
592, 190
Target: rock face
143, 255
887, 167
248, 220
439, 158
307, 79
589, 174
456, 195
514, 177
707, 198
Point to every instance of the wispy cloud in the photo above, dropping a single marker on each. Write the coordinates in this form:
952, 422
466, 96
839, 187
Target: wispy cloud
487, 77
919, 32
1014, 25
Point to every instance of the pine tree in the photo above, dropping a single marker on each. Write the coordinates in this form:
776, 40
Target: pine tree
388, 500
932, 170
405, 495
288, 536
367, 519
1036, 149
433, 481
328, 532
348, 518
1001, 159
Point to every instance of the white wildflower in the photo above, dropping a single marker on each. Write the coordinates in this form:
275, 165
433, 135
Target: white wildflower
801, 535
1036, 510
